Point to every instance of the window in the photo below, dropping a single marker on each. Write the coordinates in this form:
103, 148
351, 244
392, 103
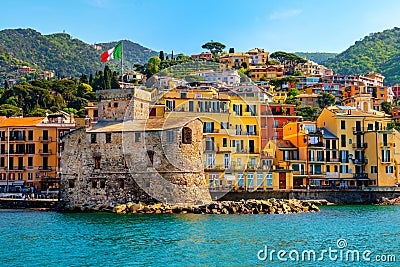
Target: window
97, 161
30, 176
250, 179
93, 138
260, 180
30, 135
71, 183
30, 161
103, 181
170, 136
20, 176
343, 140
3, 149
121, 183
30, 149
115, 104
45, 135
20, 149
385, 155
343, 125
45, 148
374, 169
94, 183
108, 138
344, 168
210, 160
389, 169
226, 161
224, 142
191, 106
186, 135
208, 127
268, 179
344, 156
385, 139
240, 179
210, 143
2, 162
137, 137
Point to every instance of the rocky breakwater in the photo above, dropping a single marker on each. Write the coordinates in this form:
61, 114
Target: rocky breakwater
271, 206
387, 201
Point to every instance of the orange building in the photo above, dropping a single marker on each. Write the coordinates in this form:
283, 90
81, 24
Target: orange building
273, 117
30, 152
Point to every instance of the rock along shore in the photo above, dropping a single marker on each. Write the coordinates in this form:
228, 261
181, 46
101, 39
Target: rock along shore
386, 201
270, 206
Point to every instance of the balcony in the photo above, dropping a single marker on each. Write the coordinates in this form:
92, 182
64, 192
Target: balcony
319, 144
332, 175
332, 160
44, 140
386, 144
254, 133
221, 149
360, 146
45, 152
45, 168
359, 130
360, 176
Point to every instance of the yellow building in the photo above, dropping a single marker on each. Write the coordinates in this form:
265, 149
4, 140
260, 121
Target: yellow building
235, 60
366, 146
30, 152
231, 133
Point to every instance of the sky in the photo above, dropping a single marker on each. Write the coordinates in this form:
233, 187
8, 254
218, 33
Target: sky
185, 25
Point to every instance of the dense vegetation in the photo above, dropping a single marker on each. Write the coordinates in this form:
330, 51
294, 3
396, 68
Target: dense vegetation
40, 96
377, 52
317, 57
67, 56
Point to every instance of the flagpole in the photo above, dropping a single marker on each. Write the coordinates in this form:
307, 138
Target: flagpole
122, 60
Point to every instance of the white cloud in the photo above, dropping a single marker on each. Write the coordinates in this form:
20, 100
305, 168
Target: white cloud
284, 14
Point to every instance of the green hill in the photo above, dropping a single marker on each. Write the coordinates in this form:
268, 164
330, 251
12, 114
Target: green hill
377, 52
317, 57
61, 53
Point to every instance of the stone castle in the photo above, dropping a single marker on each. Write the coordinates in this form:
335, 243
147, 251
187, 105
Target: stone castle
127, 156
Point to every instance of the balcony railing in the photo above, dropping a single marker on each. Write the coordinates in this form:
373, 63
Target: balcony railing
48, 139
45, 168
360, 176
45, 152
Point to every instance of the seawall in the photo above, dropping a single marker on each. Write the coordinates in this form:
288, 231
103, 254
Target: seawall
45, 204
334, 196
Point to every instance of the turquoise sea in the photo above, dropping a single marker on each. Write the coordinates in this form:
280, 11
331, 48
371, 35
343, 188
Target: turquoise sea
31, 238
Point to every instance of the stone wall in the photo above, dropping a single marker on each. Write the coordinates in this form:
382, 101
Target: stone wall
115, 104
122, 171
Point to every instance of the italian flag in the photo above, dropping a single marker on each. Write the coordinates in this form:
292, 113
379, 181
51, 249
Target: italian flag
113, 53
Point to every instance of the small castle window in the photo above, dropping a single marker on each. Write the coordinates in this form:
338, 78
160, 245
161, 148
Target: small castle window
97, 161
93, 138
121, 183
94, 183
115, 104
103, 183
137, 137
71, 183
108, 138
170, 136
186, 135
150, 154
109, 104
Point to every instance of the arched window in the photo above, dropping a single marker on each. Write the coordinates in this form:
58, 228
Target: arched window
186, 135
